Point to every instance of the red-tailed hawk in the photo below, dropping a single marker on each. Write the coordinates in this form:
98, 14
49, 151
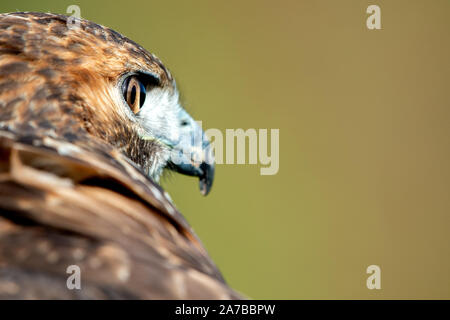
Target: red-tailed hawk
88, 121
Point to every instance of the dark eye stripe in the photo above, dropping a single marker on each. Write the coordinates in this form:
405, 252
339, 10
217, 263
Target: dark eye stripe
132, 95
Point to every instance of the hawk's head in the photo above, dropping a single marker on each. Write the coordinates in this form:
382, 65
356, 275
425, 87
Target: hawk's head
77, 78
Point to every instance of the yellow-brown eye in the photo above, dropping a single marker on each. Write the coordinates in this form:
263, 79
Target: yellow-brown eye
134, 93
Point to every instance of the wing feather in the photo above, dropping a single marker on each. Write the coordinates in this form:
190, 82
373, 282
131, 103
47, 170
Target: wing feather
63, 205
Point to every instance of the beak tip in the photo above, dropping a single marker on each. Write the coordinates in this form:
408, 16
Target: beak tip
206, 179
203, 189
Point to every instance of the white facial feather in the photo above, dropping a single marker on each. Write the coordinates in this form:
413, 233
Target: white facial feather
159, 115
162, 118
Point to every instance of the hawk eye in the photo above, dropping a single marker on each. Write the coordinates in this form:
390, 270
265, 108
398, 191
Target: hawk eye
134, 92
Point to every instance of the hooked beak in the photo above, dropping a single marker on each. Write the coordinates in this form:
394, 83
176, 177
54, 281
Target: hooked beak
203, 170
193, 155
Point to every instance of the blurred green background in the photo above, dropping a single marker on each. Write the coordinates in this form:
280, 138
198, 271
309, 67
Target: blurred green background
364, 137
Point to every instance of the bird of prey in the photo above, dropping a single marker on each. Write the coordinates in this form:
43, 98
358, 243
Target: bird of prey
88, 122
